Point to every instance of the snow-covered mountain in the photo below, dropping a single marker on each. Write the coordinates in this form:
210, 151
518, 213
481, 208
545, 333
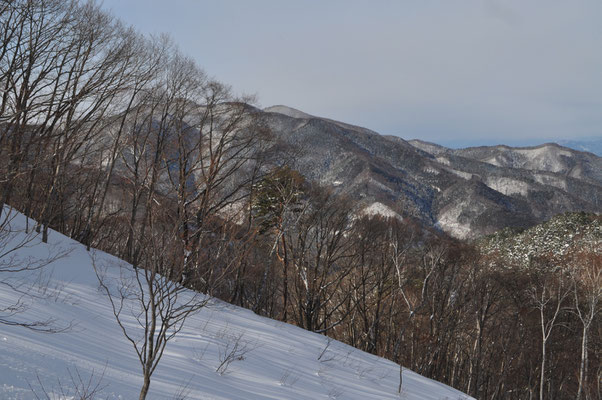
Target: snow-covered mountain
277, 360
466, 192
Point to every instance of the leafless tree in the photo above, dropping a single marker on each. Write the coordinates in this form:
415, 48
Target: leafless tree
159, 306
320, 251
235, 348
185, 151
78, 387
586, 281
548, 293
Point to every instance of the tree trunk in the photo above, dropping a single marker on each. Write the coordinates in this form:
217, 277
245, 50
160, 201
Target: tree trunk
284, 280
145, 387
583, 364
543, 369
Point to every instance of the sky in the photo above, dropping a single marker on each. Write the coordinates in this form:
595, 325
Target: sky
462, 72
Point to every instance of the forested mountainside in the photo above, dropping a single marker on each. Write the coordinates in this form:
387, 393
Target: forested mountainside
124, 144
467, 193
556, 239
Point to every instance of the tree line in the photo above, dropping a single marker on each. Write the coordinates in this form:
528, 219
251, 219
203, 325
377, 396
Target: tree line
123, 143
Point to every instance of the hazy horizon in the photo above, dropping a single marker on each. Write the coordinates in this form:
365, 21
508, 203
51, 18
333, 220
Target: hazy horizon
469, 73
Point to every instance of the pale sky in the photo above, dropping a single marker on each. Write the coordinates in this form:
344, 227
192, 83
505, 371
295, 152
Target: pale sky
453, 72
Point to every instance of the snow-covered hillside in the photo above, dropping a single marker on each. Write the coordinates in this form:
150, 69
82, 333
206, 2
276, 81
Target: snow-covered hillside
378, 208
278, 361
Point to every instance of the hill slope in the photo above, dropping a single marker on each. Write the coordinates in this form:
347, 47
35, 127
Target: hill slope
562, 235
281, 361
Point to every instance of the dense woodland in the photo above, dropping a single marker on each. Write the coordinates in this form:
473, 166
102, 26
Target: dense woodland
124, 144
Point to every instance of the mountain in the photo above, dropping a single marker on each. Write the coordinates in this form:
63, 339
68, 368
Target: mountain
548, 157
466, 193
273, 360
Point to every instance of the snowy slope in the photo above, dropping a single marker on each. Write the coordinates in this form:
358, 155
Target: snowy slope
288, 111
282, 361
378, 208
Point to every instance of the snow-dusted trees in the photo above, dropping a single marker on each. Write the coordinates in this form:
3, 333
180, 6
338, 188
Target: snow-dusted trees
441, 308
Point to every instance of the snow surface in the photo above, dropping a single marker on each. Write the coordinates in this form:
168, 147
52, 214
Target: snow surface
544, 158
551, 180
282, 361
378, 208
464, 175
449, 221
507, 186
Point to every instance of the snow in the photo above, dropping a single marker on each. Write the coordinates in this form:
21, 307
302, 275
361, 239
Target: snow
449, 222
379, 185
281, 361
431, 170
543, 151
551, 180
464, 175
443, 160
544, 158
507, 186
378, 208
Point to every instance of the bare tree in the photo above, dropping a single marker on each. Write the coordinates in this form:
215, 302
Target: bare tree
186, 151
63, 68
320, 250
548, 293
158, 305
586, 280
78, 387
370, 282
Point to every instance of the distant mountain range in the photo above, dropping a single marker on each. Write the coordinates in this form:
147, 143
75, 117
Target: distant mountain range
464, 192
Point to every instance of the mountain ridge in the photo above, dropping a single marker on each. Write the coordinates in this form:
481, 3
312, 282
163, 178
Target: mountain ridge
519, 186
